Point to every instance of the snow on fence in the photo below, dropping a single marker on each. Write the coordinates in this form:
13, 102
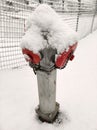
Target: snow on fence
80, 15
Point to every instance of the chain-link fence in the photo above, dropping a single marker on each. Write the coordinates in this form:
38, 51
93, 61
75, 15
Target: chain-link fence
81, 15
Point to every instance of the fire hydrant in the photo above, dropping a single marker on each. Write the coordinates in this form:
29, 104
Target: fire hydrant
43, 47
45, 67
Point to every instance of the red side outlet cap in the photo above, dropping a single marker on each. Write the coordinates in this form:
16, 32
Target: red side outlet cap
62, 59
32, 57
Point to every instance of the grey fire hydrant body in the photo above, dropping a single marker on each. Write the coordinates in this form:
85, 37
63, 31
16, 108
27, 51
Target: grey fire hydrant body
46, 77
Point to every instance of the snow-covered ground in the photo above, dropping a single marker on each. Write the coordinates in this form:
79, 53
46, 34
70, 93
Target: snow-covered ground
76, 93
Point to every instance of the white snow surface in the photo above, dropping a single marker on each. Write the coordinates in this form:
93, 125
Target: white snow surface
76, 93
45, 19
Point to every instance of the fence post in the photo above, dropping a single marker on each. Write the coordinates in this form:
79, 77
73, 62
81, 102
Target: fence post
94, 16
63, 4
79, 5
40, 1
0, 34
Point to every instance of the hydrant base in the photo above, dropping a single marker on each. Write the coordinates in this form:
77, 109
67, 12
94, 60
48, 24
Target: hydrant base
48, 117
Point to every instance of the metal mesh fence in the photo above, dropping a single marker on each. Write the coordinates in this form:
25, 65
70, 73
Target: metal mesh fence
81, 15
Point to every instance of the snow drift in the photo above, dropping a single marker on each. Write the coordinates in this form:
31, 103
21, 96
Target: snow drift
45, 21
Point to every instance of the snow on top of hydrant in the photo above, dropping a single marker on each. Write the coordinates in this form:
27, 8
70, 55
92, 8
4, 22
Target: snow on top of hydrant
45, 21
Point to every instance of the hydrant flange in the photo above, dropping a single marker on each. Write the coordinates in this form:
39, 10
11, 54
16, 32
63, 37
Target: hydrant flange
49, 117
